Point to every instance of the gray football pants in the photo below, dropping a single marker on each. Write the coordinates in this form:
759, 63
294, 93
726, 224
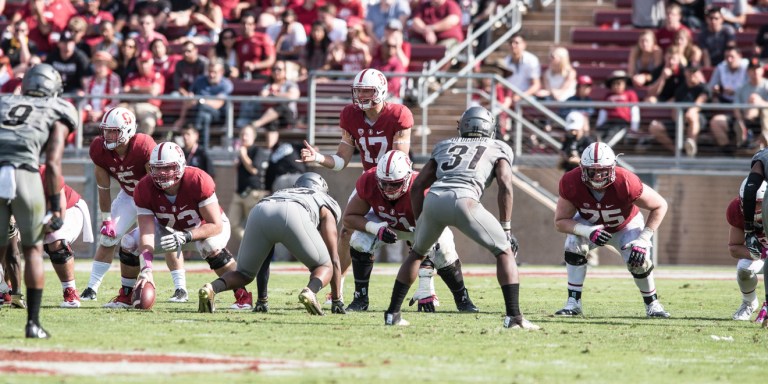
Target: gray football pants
286, 222
443, 209
28, 208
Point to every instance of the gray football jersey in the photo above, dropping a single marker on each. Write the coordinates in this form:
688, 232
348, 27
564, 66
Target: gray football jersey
761, 156
312, 200
465, 165
25, 124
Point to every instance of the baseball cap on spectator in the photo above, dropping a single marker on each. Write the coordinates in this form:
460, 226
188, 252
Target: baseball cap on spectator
102, 56
754, 63
66, 36
692, 68
145, 56
395, 24
574, 121
354, 22
584, 80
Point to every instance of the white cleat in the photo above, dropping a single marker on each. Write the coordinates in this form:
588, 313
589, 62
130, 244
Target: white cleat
744, 313
572, 308
519, 322
655, 309
179, 296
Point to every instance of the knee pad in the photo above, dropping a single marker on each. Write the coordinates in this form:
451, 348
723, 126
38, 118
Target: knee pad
219, 260
641, 275
108, 241
575, 259
361, 257
744, 274
128, 258
363, 242
129, 244
59, 256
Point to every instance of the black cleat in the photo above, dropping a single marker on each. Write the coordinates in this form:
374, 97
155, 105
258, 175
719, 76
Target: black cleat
464, 303
88, 295
35, 331
262, 305
394, 318
359, 304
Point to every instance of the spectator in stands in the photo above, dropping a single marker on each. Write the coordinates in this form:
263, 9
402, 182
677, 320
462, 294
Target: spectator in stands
666, 34
760, 6
692, 13
126, 60
559, 80
101, 88
734, 11
93, 17
18, 47
615, 121
46, 20
283, 113
382, 13
196, 155
225, 50
394, 32
388, 60
229, 9
693, 90
78, 27
728, 76
316, 51
72, 63
165, 64
109, 42
207, 110
354, 54
348, 8
647, 13
119, 11
252, 162
255, 50
576, 140
284, 169
644, 57
691, 52
666, 78
437, 22
482, 98
761, 43
335, 27
289, 36
145, 82
159, 10
715, 38
307, 13
480, 12
746, 122
522, 67
583, 93
205, 21
6, 72
187, 70
147, 33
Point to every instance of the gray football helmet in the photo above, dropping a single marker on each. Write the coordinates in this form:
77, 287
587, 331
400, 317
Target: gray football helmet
313, 181
42, 80
477, 122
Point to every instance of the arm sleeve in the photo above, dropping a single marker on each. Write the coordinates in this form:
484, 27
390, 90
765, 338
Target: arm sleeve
754, 181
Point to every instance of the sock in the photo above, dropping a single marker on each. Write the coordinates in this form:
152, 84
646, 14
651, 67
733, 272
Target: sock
315, 285
511, 299
179, 277
127, 283
453, 278
262, 277
574, 293
747, 281
362, 267
68, 284
98, 270
647, 288
399, 291
576, 276
34, 297
219, 285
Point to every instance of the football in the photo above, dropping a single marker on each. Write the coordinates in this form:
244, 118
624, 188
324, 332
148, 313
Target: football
144, 298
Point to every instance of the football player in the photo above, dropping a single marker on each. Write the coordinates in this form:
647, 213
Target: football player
748, 266
33, 122
757, 175
304, 219
607, 212
386, 189
77, 218
374, 127
177, 210
456, 175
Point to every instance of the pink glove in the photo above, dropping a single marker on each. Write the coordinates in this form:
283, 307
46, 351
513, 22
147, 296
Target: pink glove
108, 228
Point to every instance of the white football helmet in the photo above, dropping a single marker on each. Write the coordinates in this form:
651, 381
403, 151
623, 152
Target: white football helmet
167, 164
369, 88
758, 200
598, 166
117, 127
393, 174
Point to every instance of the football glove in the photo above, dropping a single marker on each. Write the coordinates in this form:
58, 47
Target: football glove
756, 249
108, 228
175, 239
639, 249
425, 294
337, 307
54, 222
596, 234
512, 242
386, 235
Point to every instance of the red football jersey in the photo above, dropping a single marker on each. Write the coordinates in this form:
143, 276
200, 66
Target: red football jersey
375, 140
197, 190
131, 169
71, 195
735, 218
398, 213
615, 210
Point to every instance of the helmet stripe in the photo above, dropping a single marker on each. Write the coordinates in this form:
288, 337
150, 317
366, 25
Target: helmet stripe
106, 117
389, 161
160, 151
362, 75
597, 146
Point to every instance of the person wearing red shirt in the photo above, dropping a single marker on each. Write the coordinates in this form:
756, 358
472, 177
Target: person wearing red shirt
255, 50
347, 8
611, 121
307, 13
93, 17
147, 33
165, 64
437, 22
46, 21
665, 35
146, 82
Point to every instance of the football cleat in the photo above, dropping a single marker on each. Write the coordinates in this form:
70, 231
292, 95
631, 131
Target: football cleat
6, 298
358, 304
309, 299
17, 301
572, 308
262, 305
464, 303
35, 331
744, 313
122, 300
88, 295
763, 314
206, 299
394, 318
655, 309
179, 296
71, 299
243, 300
519, 322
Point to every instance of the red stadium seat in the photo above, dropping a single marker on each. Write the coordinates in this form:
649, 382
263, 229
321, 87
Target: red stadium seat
607, 17
424, 53
587, 55
623, 3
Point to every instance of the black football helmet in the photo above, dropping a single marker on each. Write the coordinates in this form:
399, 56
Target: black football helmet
42, 80
477, 122
313, 181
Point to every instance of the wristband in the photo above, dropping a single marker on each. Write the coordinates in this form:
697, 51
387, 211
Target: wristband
506, 225
147, 258
373, 227
55, 201
188, 236
319, 158
646, 234
582, 230
106, 216
338, 163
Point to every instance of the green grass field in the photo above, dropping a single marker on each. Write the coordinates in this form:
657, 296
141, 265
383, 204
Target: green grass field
613, 343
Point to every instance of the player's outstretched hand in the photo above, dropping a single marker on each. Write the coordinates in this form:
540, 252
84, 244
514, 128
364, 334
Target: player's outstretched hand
308, 154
